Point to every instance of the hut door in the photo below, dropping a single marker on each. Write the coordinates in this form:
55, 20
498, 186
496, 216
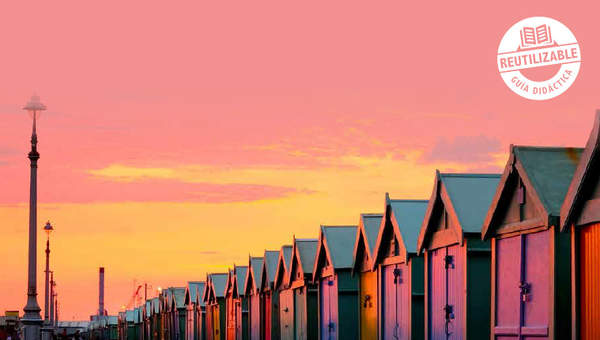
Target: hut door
393, 303
522, 287
324, 309
300, 313
368, 307
255, 316
286, 302
589, 289
238, 319
446, 290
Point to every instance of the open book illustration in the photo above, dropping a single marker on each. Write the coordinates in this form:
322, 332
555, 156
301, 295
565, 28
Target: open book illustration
531, 37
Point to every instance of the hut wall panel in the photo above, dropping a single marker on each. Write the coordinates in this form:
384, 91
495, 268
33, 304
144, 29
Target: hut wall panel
437, 299
589, 281
286, 304
300, 313
537, 274
255, 317
333, 309
388, 296
507, 296
457, 291
324, 308
368, 309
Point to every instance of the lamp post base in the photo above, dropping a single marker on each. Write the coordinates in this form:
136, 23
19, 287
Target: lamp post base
47, 332
32, 329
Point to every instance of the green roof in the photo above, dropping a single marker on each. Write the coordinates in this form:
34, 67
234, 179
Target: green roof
240, 276
195, 288
219, 281
471, 196
409, 216
287, 256
340, 241
156, 305
256, 264
371, 224
307, 249
130, 316
179, 296
550, 170
270, 262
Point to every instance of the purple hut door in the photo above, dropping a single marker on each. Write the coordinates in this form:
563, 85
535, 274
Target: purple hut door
333, 309
536, 294
324, 309
389, 303
455, 309
507, 296
437, 294
403, 302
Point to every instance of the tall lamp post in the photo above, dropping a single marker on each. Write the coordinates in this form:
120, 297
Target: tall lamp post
48, 229
32, 320
52, 298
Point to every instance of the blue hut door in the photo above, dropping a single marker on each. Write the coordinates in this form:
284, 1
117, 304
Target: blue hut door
329, 311
522, 286
300, 313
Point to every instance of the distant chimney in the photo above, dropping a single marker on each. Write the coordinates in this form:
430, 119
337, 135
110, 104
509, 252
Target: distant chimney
101, 293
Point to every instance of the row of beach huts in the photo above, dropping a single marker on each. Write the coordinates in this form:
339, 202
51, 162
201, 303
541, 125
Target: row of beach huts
488, 256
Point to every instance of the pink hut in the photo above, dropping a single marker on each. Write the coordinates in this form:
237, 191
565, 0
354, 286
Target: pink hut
286, 295
580, 216
252, 291
362, 266
400, 311
530, 257
457, 261
194, 329
337, 287
216, 310
237, 304
269, 297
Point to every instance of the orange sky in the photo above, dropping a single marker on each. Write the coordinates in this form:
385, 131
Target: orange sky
181, 137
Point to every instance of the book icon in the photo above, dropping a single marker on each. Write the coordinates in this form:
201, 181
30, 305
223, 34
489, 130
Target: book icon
536, 36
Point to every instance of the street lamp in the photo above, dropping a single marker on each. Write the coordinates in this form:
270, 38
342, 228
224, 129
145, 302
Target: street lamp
48, 229
32, 320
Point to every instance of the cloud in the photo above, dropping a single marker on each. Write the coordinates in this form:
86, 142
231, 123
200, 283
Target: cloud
463, 149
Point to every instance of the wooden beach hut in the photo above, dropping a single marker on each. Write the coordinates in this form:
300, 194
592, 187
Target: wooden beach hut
305, 304
580, 216
216, 311
362, 266
530, 257
194, 310
457, 261
286, 295
157, 325
401, 271
337, 288
237, 304
269, 297
252, 292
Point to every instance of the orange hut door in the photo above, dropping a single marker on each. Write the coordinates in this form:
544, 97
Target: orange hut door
589, 282
368, 305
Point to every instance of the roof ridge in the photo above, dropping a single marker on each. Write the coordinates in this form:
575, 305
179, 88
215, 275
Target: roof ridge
408, 200
547, 148
474, 175
307, 239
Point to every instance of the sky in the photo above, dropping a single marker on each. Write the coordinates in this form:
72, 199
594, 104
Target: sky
181, 137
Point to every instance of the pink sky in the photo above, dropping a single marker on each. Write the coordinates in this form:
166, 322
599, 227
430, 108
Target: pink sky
179, 137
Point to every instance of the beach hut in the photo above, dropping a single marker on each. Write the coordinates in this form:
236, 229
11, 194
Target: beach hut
130, 326
362, 266
139, 322
401, 271
580, 216
237, 304
457, 261
305, 304
157, 325
530, 257
178, 313
252, 292
269, 297
286, 295
216, 311
337, 288
194, 328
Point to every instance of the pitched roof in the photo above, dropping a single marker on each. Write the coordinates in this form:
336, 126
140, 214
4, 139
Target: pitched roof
218, 283
368, 231
194, 289
550, 170
339, 241
240, 275
307, 249
179, 296
583, 174
409, 217
546, 170
270, 264
283, 263
156, 305
254, 277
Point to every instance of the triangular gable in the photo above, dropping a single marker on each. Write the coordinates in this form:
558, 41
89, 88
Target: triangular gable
253, 276
218, 283
458, 205
398, 229
230, 285
581, 202
268, 269
283, 263
366, 240
334, 248
532, 189
193, 292
179, 297
240, 275
303, 257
